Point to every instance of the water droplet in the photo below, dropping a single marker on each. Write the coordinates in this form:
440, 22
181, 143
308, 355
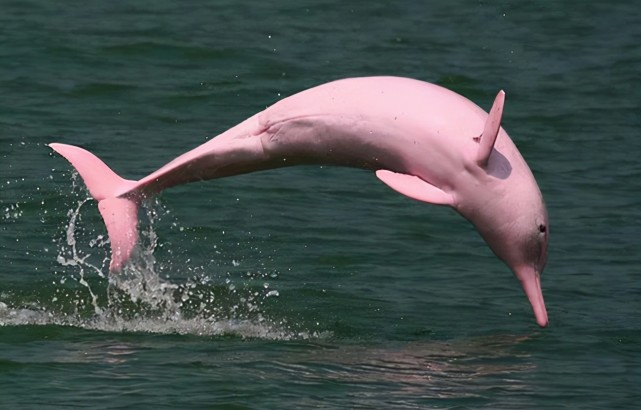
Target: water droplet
272, 293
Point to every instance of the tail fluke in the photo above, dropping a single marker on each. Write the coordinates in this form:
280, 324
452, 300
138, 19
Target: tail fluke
119, 209
121, 218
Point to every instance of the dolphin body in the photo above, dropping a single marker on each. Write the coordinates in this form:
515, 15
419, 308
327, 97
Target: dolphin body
422, 140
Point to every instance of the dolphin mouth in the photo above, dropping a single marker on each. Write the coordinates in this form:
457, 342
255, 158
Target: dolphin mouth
531, 282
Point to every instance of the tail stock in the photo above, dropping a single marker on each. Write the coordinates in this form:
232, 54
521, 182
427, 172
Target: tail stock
119, 209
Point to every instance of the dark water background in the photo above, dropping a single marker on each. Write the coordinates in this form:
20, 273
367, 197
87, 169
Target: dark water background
313, 287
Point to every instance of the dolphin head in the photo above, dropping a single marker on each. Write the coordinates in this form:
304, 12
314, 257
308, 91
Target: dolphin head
518, 232
508, 209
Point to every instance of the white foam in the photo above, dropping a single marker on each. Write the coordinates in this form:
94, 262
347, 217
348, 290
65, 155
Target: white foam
260, 329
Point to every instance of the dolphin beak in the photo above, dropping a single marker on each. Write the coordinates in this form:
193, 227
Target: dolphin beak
531, 282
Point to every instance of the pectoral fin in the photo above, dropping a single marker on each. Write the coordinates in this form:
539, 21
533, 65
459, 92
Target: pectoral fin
414, 187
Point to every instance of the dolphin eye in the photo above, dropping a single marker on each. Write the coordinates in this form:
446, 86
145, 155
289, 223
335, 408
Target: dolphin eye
542, 228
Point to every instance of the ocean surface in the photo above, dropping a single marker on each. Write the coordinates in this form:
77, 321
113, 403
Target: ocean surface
312, 287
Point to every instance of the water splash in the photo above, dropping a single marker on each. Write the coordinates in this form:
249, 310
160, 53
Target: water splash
76, 260
161, 291
200, 300
197, 326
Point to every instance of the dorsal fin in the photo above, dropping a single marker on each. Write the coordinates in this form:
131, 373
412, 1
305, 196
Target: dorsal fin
491, 130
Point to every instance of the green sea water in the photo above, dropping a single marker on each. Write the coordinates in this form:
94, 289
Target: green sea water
312, 287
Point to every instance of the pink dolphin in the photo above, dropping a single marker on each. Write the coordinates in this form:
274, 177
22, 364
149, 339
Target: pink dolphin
422, 140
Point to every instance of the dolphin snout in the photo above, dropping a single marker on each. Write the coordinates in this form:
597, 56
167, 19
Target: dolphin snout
531, 282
